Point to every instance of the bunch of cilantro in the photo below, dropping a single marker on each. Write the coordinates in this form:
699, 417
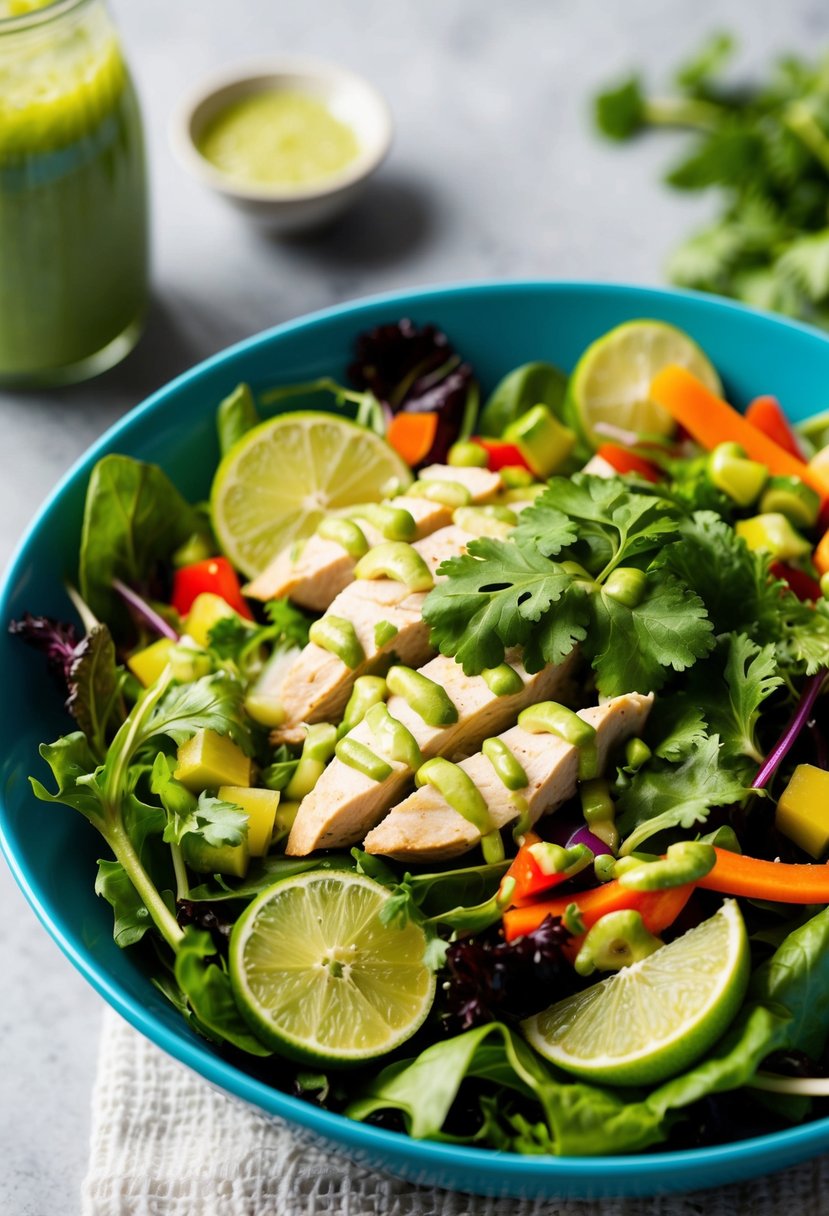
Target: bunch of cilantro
659, 597
766, 150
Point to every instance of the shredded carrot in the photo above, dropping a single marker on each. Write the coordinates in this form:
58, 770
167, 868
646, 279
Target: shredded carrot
712, 421
412, 436
766, 415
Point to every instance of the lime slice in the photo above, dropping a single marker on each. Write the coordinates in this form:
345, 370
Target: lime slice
276, 484
319, 977
612, 379
652, 1019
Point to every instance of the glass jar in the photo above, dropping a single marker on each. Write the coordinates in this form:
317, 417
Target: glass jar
73, 194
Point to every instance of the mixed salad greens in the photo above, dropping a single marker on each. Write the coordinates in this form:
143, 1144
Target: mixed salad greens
494, 805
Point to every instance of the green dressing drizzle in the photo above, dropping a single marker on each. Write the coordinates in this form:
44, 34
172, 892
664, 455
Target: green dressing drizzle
337, 635
423, 695
346, 533
357, 755
548, 717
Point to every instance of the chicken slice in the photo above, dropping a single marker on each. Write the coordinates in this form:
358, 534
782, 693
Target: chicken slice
318, 684
424, 828
345, 803
321, 569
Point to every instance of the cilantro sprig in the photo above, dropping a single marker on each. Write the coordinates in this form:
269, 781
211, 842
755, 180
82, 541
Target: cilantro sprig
558, 582
765, 148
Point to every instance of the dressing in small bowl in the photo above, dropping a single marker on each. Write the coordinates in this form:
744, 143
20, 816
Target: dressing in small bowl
292, 143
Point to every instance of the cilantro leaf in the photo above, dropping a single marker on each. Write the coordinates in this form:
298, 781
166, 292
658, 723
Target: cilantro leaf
732, 699
248, 646
678, 729
598, 520
620, 112
492, 597
733, 581
212, 703
804, 644
665, 797
637, 648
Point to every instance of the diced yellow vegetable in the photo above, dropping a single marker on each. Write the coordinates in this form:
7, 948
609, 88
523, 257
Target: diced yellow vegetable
205, 611
260, 808
541, 439
803, 810
772, 533
285, 816
148, 664
204, 858
209, 760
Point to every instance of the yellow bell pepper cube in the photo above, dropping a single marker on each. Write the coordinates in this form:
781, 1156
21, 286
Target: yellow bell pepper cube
147, 664
204, 858
260, 808
209, 760
206, 610
772, 533
803, 810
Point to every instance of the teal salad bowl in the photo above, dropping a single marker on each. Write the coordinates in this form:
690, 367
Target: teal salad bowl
52, 853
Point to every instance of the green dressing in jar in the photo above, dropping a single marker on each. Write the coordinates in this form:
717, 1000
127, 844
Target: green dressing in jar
73, 198
278, 137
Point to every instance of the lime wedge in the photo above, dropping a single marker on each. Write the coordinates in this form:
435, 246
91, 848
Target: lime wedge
611, 381
320, 978
281, 478
652, 1019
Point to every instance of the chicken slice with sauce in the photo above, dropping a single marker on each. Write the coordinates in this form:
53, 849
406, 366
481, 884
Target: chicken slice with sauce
386, 617
346, 803
425, 828
315, 575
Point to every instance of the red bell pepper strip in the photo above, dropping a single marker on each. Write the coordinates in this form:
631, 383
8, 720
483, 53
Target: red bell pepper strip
765, 413
501, 455
625, 461
530, 879
216, 576
802, 584
658, 909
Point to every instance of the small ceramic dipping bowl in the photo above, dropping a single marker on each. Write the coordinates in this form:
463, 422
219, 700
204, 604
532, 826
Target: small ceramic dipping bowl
288, 208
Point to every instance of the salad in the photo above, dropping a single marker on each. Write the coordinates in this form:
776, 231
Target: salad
462, 764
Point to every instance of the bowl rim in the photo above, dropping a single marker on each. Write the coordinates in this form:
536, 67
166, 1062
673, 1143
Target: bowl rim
778, 1148
259, 72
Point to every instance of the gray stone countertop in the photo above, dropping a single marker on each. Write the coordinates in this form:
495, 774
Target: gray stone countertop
494, 173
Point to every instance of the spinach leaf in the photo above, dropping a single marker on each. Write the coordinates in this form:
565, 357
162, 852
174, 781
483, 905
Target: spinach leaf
206, 985
424, 1089
235, 416
521, 389
132, 920
134, 517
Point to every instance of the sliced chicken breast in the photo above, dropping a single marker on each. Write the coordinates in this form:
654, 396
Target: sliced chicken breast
318, 684
345, 803
315, 573
424, 828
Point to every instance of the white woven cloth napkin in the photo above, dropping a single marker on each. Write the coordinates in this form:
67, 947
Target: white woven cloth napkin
164, 1143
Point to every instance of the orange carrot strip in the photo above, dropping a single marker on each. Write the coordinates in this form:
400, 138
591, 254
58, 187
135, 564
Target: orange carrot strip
765, 413
412, 436
776, 881
658, 909
821, 554
711, 421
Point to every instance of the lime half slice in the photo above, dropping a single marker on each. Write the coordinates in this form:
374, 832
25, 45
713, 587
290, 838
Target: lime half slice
652, 1019
276, 484
319, 977
611, 381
